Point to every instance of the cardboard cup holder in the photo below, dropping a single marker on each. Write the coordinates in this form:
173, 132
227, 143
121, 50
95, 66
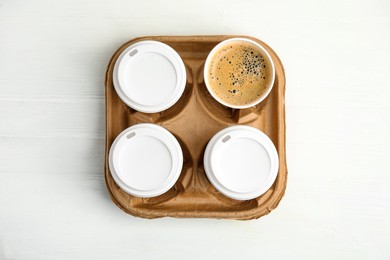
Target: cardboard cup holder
194, 119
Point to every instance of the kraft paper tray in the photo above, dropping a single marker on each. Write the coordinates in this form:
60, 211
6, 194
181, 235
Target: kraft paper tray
193, 120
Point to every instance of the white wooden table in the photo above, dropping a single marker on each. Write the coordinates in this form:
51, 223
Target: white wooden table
53, 201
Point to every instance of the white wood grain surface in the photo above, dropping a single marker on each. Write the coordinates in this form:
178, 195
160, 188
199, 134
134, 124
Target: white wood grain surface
53, 202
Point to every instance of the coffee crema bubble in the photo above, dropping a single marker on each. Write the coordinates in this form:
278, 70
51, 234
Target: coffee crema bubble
239, 73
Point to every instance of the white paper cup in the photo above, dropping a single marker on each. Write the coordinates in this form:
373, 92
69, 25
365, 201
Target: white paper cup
149, 76
262, 51
241, 162
145, 160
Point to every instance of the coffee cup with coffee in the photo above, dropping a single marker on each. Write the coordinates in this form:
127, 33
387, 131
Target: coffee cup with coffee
239, 73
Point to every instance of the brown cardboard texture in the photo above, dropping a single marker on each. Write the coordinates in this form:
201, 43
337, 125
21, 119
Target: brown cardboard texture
193, 120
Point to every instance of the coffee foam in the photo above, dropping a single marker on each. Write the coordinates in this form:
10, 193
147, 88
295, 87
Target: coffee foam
238, 73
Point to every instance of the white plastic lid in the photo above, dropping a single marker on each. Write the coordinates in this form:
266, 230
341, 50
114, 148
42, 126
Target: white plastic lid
145, 160
149, 76
241, 162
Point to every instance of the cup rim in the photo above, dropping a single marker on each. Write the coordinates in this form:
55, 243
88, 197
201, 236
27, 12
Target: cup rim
208, 61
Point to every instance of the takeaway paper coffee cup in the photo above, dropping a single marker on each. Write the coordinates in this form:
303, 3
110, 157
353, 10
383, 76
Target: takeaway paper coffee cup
241, 162
239, 73
145, 160
149, 76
